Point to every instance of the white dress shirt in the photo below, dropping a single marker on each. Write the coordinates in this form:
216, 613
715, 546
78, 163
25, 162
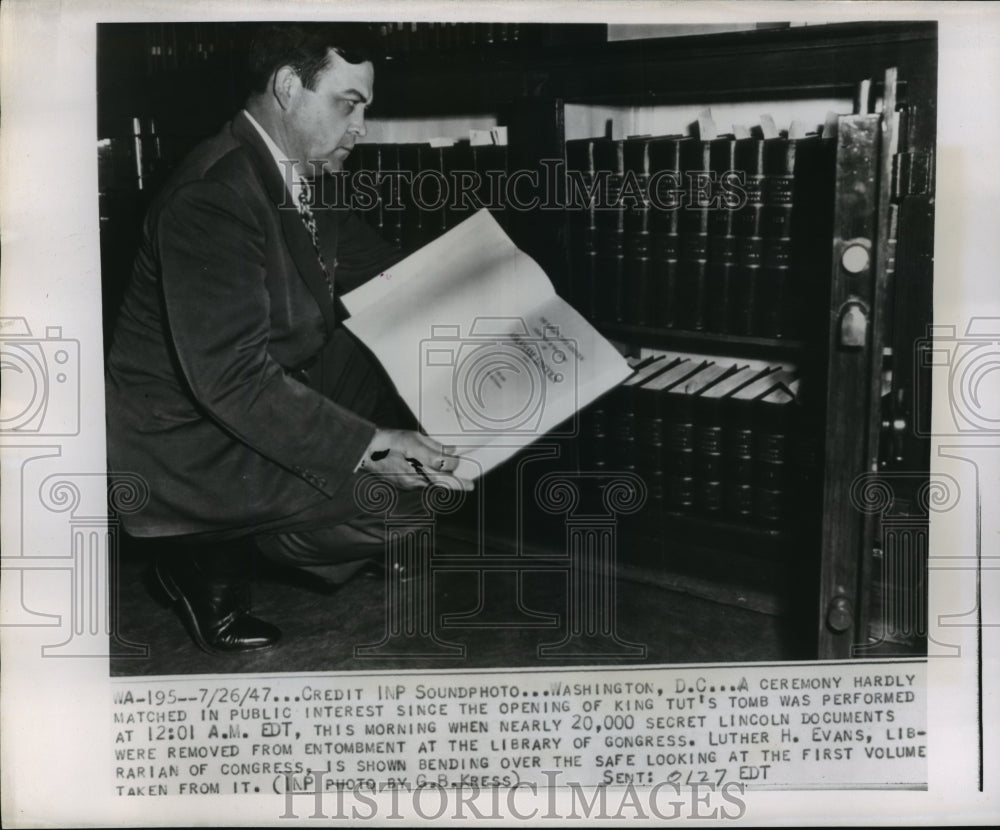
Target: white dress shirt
292, 179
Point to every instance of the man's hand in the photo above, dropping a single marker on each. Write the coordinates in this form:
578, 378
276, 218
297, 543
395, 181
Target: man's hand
411, 460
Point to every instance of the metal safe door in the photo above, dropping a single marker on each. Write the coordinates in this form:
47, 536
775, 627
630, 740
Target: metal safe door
862, 263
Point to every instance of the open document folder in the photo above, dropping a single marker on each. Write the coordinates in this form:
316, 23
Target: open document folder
479, 346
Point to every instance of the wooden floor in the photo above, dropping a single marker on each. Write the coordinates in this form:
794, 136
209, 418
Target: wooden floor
654, 624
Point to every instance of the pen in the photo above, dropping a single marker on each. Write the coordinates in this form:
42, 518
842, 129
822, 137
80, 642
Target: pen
419, 468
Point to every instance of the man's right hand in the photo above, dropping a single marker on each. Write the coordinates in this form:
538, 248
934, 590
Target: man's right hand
411, 460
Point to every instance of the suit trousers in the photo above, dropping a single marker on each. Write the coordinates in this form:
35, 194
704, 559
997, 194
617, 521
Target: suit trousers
335, 538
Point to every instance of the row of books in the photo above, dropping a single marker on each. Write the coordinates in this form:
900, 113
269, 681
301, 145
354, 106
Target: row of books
453, 36
715, 438
172, 46
733, 238
410, 36
413, 209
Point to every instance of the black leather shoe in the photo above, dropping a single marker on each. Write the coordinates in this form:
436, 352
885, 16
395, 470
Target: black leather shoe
215, 607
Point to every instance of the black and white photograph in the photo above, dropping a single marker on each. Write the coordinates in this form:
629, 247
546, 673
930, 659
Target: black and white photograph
732, 228
582, 415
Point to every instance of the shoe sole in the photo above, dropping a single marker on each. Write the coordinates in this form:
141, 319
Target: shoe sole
190, 620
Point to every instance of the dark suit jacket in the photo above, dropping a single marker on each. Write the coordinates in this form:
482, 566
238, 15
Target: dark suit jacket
227, 301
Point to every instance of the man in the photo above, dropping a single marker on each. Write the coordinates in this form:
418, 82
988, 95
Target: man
231, 386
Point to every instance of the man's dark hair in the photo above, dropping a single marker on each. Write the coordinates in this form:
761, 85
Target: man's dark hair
305, 47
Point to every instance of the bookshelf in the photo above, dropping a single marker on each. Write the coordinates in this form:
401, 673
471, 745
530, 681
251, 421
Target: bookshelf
851, 343
704, 342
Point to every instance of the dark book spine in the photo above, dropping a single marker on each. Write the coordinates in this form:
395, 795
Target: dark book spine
773, 428
418, 37
412, 231
623, 428
709, 464
639, 296
665, 209
403, 37
384, 32
650, 460
490, 164
722, 237
378, 156
581, 175
430, 191
459, 169
609, 162
432, 40
390, 197
693, 282
485, 35
738, 442
677, 413
749, 236
364, 170
595, 443
779, 201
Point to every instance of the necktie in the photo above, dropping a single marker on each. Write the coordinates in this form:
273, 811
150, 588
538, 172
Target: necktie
309, 220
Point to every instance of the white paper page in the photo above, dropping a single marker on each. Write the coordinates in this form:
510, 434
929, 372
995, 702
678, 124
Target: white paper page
574, 366
479, 346
443, 266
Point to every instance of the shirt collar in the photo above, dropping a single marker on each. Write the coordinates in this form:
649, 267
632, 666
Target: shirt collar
293, 183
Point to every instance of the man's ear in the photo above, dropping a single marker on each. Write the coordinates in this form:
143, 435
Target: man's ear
285, 85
